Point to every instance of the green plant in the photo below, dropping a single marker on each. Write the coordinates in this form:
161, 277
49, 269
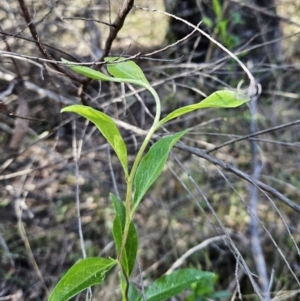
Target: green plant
221, 25
145, 170
205, 290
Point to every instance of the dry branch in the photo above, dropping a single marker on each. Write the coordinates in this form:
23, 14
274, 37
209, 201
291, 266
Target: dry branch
113, 32
41, 47
202, 154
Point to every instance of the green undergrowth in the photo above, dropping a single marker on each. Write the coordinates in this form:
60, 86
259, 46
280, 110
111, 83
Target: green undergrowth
145, 170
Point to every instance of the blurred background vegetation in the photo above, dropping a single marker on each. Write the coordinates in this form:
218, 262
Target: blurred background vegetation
38, 219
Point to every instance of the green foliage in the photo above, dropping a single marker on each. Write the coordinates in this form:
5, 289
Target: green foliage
125, 70
219, 99
221, 25
86, 71
131, 246
152, 165
174, 283
217, 7
145, 170
133, 293
82, 275
108, 129
205, 290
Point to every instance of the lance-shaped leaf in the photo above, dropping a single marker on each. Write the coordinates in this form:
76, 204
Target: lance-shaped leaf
152, 165
125, 70
131, 246
82, 275
88, 72
108, 129
217, 9
133, 293
218, 99
174, 283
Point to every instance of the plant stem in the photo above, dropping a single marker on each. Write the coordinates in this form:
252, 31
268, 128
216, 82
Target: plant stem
137, 160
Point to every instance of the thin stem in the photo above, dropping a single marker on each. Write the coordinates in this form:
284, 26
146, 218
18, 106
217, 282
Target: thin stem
137, 160
151, 90
155, 126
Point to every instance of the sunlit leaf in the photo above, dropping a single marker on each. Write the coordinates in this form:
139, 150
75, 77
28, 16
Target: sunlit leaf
171, 285
108, 129
126, 70
82, 275
88, 72
152, 165
218, 99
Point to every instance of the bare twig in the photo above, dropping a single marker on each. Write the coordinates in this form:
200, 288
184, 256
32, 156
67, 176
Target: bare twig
193, 250
258, 255
13, 60
269, 130
76, 154
113, 178
202, 154
228, 239
236, 273
87, 19
36, 37
17, 36
113, 32
254, 215
54, 62
252, 90
116, 26
173, 44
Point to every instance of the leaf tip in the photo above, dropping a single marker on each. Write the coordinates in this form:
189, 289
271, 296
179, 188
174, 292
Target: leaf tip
66, 109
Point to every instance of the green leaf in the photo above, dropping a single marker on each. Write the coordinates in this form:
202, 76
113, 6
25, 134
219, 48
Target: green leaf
133, 293
207, 21
217, 9
123, 286
202, 289
171, 285
131, 246
119, 222
108, 129
119, 208
82, 275
223, 29
88, 72
125, 70
218, 99
152, 165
